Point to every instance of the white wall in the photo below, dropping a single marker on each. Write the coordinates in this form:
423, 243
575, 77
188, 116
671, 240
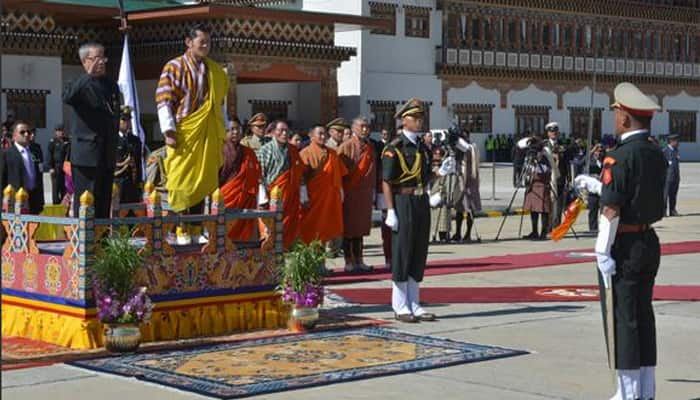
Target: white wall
40, 73
682, 102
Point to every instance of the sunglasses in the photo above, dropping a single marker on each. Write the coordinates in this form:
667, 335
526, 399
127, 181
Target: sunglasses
25, 132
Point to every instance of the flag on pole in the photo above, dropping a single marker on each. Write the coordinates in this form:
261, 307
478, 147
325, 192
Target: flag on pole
127, 85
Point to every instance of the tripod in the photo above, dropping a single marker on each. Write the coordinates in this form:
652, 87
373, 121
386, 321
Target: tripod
527, 166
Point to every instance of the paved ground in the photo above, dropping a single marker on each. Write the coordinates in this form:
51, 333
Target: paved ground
568, 355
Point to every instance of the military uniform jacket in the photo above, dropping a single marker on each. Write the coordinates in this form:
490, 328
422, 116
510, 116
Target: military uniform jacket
128, 158
95, 121
401, 151
633, 178
673, 159
58, 150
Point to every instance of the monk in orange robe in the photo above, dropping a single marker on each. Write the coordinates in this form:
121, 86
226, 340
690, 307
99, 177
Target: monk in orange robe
239, 179
323, 218
282, 168
359, 155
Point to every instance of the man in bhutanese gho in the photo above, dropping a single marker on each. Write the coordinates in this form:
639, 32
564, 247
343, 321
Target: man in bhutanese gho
406, 176
192, 117
627, 249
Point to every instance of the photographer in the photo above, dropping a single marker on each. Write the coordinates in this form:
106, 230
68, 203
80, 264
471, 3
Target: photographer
537, 172
561, 175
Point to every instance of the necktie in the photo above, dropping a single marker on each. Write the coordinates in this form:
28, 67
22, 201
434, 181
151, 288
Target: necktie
29, 167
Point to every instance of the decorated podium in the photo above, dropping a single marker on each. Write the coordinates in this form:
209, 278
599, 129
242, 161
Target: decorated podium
219, 287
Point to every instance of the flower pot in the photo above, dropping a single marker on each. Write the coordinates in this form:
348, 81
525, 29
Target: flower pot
122, 338
303, 319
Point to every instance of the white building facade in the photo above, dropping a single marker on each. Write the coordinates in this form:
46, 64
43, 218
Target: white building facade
509, 70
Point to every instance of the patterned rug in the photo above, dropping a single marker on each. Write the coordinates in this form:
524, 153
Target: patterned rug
255, 367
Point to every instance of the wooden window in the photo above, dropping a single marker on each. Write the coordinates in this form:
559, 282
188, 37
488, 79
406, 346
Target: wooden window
273, 109
530, 119
475, 117
579, 122
417, 22
383, 11
683, 123
28, 105
383, 112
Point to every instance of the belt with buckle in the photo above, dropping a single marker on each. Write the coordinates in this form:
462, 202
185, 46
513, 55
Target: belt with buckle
410, 191
632, 228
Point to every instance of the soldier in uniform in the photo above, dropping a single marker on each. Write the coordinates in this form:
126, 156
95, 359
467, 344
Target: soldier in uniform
627, 248
406, 174
256, 138
128, 173
673, 177
58, 151
336, 128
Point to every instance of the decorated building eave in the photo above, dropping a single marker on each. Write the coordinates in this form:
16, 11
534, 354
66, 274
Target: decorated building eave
506, 79
612, 8
258, 47
342, 22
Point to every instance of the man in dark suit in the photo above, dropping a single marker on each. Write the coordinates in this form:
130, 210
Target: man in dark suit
94, 101
58, 151
21, 168
128, 165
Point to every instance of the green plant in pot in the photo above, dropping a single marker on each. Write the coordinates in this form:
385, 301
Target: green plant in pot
301, 283
121, 305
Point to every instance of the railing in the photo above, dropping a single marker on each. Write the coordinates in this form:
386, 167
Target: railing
535, 61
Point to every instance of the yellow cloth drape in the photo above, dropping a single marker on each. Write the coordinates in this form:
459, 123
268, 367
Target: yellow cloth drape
187, 321
47, 231
193, 165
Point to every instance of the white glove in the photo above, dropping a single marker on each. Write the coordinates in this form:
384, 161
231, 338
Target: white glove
392, 221
606, 266
342, 195
463, 145
303, 194
591, 184
447, 167
435, 199
262, 195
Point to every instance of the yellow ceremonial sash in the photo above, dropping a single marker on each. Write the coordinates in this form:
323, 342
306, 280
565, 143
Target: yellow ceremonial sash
193, 165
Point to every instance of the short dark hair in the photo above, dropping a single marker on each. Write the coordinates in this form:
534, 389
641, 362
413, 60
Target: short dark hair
18, 123
643, 121
198, 27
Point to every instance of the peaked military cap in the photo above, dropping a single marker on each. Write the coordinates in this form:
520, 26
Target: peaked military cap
412, 107
552, 126
58, 127
125, 113
674, 137
258, 119
629, 98
337, 124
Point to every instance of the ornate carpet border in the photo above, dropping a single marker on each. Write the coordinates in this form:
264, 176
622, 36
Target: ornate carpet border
466, 353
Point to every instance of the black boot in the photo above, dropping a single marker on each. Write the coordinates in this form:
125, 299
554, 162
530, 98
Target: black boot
545, 226
534, 216
459, 217
470, 223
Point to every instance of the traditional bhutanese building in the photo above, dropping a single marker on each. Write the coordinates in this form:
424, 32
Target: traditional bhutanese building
506, 66
280, 59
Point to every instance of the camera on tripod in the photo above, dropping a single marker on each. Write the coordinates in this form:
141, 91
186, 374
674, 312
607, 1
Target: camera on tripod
447, 138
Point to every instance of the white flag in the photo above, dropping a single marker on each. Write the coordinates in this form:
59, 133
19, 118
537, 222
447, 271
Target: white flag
127, 85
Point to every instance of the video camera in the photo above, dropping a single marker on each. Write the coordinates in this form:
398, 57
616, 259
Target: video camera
447, 137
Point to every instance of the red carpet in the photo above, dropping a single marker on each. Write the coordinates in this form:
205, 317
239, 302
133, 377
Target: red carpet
518, 294
500, 263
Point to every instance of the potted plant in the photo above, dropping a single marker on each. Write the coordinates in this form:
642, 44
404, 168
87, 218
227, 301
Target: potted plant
121, 305
301, 283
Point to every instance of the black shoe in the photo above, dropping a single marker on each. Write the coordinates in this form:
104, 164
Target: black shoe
673, 213
408, 318
543, 236
427, 317
456, 238
531, 236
